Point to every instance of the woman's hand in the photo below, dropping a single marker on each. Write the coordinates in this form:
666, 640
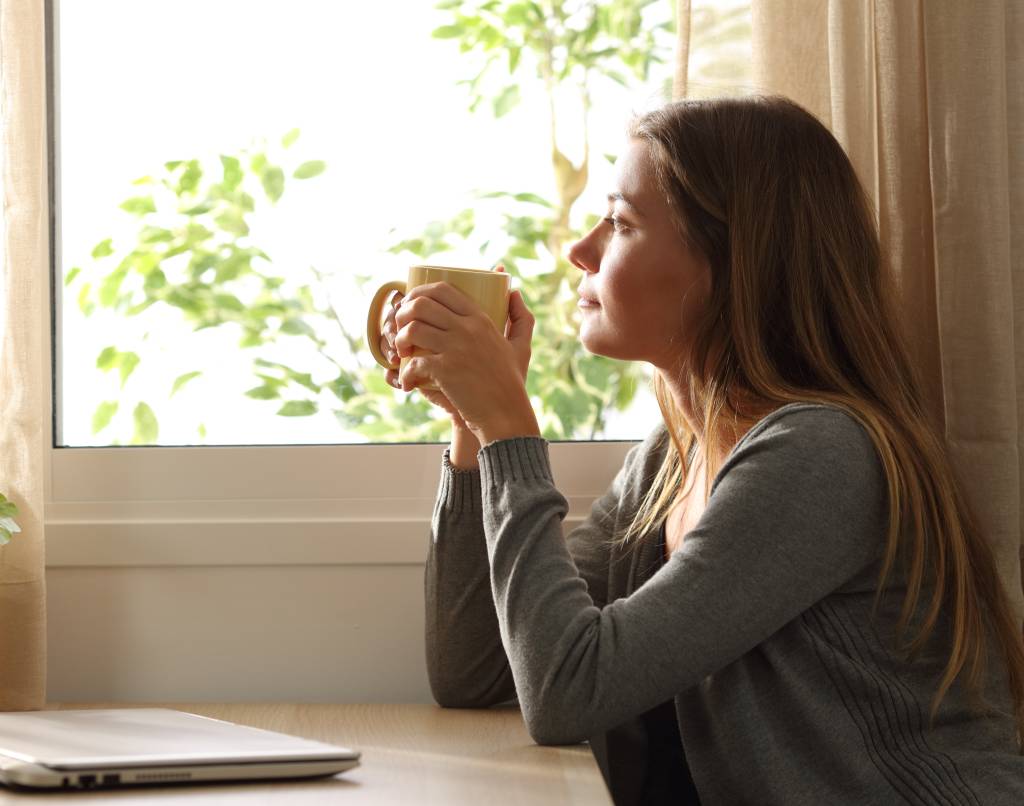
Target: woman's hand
480, 372
389, 333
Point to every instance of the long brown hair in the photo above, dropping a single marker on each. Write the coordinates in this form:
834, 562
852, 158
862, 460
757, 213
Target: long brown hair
801, 310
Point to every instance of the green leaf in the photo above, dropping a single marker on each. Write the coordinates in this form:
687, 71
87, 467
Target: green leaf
305, 379
107, 359
448, 32
296, 327
232, 172
139, 205
102, 416
289, 139
85, 305
310, 169
228, 302
190, 177
297, 408
517, 14
232, 221
5, 536
533, 198
146, 427
104, 248
626, 393
343, 388
265, 392
508, 98
273, 183
155, 280
71, 275
8, 509
155, 235
199, 209
526, 250
181, 380
251, 338
111, 357
127, 363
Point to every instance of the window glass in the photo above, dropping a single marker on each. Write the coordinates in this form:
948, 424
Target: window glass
235, 177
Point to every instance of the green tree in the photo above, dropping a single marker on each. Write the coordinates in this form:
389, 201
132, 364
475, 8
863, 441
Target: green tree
193, 255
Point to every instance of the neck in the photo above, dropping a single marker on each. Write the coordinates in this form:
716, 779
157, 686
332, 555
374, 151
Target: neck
730, 430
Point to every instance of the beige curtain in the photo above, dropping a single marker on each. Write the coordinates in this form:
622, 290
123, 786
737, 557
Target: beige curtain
927, 99
24, 322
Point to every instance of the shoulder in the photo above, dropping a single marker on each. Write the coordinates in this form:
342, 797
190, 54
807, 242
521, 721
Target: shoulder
812, 442
809, 423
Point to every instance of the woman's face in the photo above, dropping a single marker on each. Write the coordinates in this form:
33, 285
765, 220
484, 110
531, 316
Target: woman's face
643, 287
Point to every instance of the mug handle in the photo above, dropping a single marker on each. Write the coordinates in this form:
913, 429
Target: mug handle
373, 333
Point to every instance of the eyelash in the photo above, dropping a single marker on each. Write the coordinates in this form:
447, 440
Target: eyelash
616, 225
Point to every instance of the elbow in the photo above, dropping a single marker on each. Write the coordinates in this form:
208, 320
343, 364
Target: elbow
453, 691
551, 726
453, 696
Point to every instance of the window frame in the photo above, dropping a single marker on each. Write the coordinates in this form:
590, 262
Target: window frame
246, 505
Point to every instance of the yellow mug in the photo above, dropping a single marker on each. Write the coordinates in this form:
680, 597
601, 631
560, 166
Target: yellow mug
489, 289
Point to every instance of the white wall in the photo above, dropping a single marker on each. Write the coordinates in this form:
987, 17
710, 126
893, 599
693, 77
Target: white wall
333, 633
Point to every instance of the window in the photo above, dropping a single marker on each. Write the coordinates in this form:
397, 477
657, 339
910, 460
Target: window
236, 178
233, 178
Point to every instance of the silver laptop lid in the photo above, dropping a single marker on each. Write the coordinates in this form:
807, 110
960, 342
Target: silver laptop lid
127, 737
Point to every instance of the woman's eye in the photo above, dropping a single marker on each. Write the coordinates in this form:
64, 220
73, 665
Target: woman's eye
615, 223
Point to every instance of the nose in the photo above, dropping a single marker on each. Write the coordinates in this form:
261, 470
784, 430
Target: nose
584, 254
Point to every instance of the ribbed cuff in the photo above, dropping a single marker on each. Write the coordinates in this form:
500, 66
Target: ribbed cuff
517, 459
460, 487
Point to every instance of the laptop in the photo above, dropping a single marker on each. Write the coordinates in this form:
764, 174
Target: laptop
85, 749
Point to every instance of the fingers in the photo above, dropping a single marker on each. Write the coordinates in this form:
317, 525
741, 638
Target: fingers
520, 320
389, 330
421, 321
419, 335
415, 373
444, 294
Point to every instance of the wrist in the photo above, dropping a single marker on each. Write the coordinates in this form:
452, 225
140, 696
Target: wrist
522, 423
464, 448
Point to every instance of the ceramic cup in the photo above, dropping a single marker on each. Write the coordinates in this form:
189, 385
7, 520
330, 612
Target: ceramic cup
489, 289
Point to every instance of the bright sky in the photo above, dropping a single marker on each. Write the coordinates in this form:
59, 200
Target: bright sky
374, 96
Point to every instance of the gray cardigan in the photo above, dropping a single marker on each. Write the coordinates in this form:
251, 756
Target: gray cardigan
758, 626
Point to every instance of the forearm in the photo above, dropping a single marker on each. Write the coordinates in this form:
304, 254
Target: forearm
466, 662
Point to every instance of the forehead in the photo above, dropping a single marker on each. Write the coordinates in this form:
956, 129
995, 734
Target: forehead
634, 173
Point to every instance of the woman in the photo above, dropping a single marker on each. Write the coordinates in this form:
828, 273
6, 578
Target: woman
782, 598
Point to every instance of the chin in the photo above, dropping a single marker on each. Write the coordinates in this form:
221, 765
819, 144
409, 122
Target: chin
598, 346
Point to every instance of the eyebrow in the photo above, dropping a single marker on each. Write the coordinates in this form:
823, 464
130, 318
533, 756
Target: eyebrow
616, 196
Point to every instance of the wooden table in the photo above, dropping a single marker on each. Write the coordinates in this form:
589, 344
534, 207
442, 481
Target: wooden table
412, 754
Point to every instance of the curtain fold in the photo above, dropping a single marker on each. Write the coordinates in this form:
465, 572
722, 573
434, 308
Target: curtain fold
926, 99
24, 368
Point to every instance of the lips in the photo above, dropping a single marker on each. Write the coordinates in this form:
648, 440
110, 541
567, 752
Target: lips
587, 300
